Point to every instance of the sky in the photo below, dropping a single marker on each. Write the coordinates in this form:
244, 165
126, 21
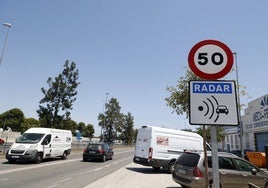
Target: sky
132, 50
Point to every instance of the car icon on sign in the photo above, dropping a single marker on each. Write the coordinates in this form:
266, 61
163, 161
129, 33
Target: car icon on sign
222, 109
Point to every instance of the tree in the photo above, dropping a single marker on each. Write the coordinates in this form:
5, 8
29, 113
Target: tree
58, 99
179, 95
28, 123
111, 120
135, 134
81, 127
70, 125
220, 133
12, 119
127, 134
89, 131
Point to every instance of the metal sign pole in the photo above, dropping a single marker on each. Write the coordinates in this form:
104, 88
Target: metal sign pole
214, 150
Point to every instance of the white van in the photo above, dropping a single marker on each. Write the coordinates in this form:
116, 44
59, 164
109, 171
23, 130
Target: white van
160, 147
36, 144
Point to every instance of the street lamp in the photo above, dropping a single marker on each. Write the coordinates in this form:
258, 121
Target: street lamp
238, 104
104, 110
8, 25
106, 100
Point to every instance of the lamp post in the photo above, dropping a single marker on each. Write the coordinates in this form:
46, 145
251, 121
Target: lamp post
238, 104
104, 110
8, 25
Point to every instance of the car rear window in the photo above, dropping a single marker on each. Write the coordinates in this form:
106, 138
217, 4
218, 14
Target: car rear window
94, 146
189, 159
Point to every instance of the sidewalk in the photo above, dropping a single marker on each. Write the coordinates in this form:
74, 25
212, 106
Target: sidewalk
136, 176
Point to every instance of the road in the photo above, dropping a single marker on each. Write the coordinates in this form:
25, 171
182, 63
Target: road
55, 173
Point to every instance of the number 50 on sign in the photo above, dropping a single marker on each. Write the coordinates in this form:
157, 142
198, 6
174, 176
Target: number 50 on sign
210, 59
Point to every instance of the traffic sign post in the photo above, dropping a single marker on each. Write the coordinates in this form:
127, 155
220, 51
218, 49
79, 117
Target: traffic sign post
212, 103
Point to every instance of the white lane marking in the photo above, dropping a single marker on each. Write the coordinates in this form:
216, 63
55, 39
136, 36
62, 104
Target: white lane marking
96, 169
37, 166
50, 164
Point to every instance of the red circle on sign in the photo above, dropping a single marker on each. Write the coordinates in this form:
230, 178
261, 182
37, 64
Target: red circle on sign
206, 75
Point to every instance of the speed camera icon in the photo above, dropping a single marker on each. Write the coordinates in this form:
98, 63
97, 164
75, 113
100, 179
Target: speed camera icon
212, 108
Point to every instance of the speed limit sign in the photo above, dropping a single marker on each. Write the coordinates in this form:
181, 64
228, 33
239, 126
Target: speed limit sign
210, 59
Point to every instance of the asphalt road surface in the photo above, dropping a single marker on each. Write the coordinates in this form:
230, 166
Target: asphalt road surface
56, 173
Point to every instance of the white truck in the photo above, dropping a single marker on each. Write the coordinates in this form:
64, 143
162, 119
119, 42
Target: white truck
160, 147
36, 144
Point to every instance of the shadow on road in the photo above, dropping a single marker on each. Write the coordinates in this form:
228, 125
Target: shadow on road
147, 170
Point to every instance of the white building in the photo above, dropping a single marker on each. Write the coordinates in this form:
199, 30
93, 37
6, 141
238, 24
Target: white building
254, 128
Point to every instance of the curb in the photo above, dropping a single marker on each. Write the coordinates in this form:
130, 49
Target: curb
135, 176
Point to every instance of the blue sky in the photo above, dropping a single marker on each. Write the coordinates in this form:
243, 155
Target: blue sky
131, 49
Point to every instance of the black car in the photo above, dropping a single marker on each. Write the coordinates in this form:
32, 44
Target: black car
99, 151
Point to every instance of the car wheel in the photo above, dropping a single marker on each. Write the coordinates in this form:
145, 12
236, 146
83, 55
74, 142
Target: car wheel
103, 158
84, 159
171, 167
64, 155
38, 158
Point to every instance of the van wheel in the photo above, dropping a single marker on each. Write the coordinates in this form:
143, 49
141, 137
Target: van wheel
84, 159
64, 156
171, 167
38, 158
156, 168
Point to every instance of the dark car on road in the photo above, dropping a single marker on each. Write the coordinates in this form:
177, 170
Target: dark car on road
98, 151
234, 172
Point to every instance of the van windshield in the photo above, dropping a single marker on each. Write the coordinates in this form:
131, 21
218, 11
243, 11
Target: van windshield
30, 138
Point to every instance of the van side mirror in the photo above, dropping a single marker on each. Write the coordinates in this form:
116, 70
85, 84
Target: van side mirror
45, 142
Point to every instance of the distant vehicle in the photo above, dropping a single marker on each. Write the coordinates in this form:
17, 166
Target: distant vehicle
99, 151
2, 141
36, 144
160, 147
234, 172
236, 152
